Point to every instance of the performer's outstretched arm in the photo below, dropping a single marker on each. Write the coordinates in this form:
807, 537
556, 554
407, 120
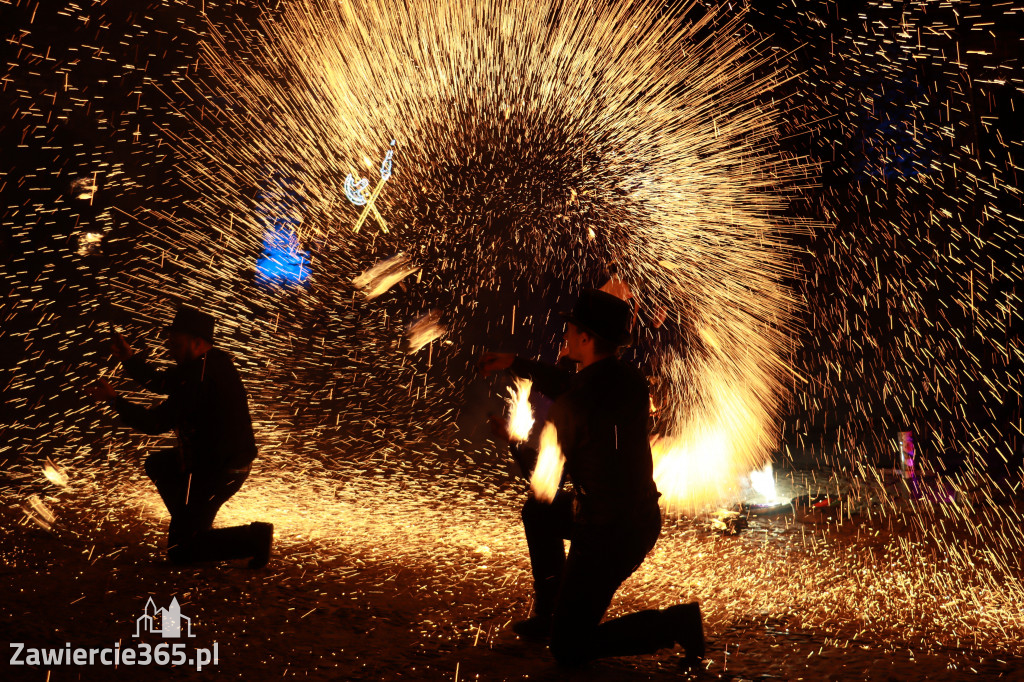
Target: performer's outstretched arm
153, 379
550, 380
149, 420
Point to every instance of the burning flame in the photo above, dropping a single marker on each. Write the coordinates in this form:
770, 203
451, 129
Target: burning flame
763, 483
548, 473
520, 416
714, 448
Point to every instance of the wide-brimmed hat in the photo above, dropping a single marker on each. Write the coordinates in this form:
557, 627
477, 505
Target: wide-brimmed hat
602, 314
193, 322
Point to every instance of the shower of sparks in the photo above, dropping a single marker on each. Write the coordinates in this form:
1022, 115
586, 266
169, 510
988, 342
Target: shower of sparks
547, 474
547, 140
841, 573
520, 413
530, 127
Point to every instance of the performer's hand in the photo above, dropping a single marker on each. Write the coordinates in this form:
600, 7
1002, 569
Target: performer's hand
101, 390
489, 363
120, 348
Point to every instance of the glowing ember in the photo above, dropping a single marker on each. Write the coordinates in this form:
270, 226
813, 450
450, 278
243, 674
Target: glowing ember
54, 473
499, 188
384, 275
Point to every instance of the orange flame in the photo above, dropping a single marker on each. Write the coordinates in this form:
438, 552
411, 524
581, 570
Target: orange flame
520, 416
547, 475
707, 453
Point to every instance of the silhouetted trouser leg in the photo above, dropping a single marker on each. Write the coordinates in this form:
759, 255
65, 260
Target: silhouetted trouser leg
547, 526
600, 558
193, 500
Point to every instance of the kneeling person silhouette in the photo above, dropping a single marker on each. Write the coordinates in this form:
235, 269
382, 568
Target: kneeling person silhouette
208, 408
611, 517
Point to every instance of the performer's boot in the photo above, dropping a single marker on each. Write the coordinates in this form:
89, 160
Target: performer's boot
264, 539
238, 542
538, 626
687, 628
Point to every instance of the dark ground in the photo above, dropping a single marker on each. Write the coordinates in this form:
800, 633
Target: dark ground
375, 596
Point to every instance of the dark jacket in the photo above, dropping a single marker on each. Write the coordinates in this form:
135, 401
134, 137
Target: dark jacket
601, 415
206, 404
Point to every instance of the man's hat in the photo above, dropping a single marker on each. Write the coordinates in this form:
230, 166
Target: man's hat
602, 314
193, 322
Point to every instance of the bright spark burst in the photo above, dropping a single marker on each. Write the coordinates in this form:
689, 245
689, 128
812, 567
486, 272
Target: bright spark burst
516, 147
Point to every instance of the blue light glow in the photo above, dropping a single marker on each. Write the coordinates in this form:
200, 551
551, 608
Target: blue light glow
283, 261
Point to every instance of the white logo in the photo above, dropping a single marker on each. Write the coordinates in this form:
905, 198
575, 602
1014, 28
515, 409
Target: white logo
164, 622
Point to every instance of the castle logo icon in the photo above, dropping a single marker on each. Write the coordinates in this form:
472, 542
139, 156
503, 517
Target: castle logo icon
164, 622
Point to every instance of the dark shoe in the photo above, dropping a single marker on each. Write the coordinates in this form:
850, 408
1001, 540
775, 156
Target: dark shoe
536, 628
687, 627
179, 556
264, 538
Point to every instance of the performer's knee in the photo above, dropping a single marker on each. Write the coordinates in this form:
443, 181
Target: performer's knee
159, 463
